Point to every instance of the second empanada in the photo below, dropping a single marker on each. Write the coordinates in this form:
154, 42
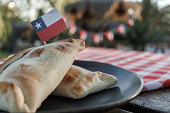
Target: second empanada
80, 82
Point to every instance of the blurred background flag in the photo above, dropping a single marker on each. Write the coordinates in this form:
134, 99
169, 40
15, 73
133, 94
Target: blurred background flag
65, 17
49, 25
83, 34
109, 35
72, 29
130, 22
96, 38
121, 29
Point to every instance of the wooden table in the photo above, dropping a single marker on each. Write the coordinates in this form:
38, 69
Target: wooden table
157, 101
151, 102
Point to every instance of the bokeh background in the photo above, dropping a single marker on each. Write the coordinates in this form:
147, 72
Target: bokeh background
141, 25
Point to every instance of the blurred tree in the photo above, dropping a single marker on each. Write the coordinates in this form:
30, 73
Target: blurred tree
5, 23
165, 17
8, 18
151, 28
60, 4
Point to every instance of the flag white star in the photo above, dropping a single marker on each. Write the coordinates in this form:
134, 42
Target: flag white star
38, 25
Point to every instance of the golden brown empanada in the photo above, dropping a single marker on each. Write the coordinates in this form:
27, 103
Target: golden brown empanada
28, 77
80, 82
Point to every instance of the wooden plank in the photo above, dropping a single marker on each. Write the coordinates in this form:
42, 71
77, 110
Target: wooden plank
151, 101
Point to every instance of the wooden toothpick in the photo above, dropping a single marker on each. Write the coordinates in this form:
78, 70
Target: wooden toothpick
45, 43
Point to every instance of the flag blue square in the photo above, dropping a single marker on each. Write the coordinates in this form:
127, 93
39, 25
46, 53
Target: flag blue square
38, 24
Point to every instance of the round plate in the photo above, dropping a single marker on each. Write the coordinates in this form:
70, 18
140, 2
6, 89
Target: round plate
129, 85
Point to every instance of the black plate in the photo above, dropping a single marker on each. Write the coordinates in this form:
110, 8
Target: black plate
129, 85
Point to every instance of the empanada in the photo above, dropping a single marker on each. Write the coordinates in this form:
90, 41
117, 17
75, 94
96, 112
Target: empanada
79, 82
28, 77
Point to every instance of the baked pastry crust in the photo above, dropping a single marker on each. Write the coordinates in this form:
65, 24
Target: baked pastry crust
29, 76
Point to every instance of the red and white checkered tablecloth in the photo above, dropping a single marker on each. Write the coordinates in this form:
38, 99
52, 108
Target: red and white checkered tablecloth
154, 68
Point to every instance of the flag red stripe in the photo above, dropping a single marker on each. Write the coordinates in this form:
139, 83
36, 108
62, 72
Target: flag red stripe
52, 30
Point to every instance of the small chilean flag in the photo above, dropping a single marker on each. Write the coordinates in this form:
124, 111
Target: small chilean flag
49, 25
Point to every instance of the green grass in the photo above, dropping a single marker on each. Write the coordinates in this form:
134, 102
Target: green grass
4, 54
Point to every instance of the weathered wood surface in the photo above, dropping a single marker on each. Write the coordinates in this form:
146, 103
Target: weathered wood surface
150, 102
